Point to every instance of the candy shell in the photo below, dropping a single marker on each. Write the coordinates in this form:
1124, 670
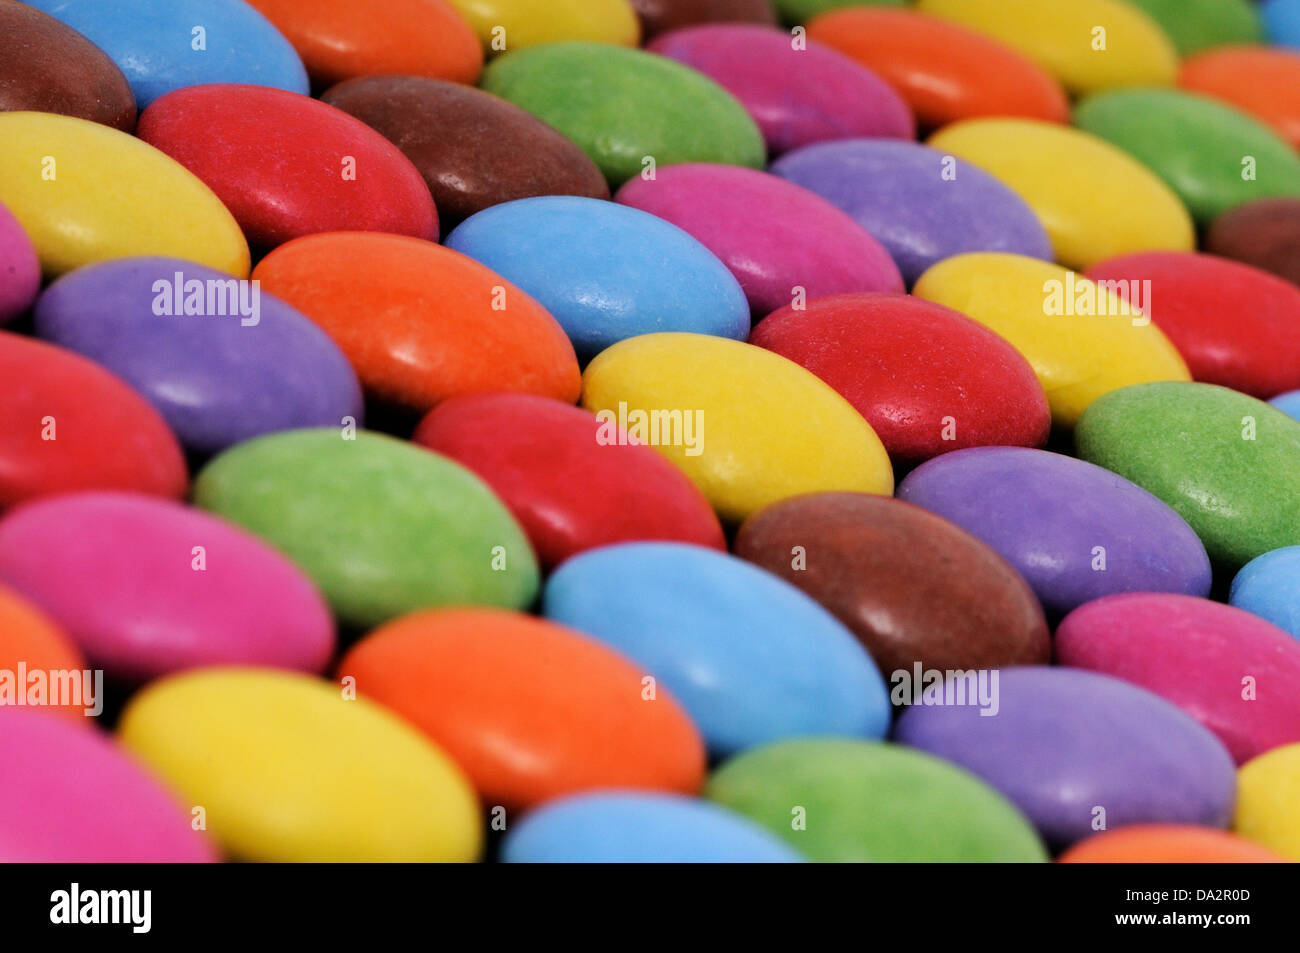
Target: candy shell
1269, 586
287, 768
1265, 233
659, 16
1073, 749
381, 526
29, 637
800, 11
629, 110
75, 797
1257, 80
19, 268
1082, 340
516, 24
1167, 844
773, 429
219, 375
1195, 25
1235, 673
606, 271
863, 802
510, 699
419, 322
752, 658
1268, 790
922, 205
1282, 21
67, 424
147, 587
912, 587
572, 480
85, 193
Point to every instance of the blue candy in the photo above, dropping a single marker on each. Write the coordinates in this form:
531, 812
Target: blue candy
1288, 403
1282, 21
1269, 586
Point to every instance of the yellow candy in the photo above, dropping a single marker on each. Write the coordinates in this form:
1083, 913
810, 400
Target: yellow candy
287, 769
1088, 45
761, 428
504, 25
1081, 339
1094, 200
87, 193
1268, 801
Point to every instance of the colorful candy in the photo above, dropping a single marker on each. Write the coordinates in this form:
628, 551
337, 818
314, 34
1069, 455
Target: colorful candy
1263, 233
1257, 80
31, 639
20, 267
516, 24
1167, 844
1268, 787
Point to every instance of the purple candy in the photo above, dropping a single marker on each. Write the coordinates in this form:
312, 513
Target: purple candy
1074, 530
20, 270
219, 377
797, 96
1076, 750
921, 204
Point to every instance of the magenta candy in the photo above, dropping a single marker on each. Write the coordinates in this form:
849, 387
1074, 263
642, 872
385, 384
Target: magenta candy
777, 238
1235, 673
72, 796
798, 91
147, 587
20, 271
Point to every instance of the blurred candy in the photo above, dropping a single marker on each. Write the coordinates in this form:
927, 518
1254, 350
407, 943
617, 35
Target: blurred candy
1257, 80
19, 266
1167, 844
659, 16
1268, 790
1282, 21
1264, 233
29, 637
514, 24
1269, 586
1195, 25
800, 11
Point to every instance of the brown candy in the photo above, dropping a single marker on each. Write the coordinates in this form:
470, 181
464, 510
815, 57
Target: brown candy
46, 66
473, 149
912, 586
1264, 233
660, 16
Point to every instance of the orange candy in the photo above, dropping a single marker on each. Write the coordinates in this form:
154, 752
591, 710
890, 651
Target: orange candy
420, 322
1168, 844
1262, 81
944, 71
28, 636
339, 39
530, 710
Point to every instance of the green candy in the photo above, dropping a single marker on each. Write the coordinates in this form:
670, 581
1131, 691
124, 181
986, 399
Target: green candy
382, 526
870, 801
621, 106
801, 11
1196, 25
1228, 463
1214, 156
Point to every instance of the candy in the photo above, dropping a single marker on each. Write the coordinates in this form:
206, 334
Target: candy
475, 150
751, 657
515, 24
1288, 403
800, 11
1236, 674
286, 768
630, 111
45, 66
1268, 789
1282, 21
80, 799
945, 72
67, 424
1269, 586
1082, 339
1265, 233
339, 39
1195, 25
345, 176
146, 587
573, 481
927, 379
1229, 464
1259, 81
1094, 200
1087, 44
773, 429
246, 365
798, 92
922, 205
1167, 844
1234, 325
162, 45
780, 241
419, 322
606, 271
836, 800
30, 639
1075, 531
659, 16
914, 589
380, 526
87, 193
1080, 752
625, 827
512, 698
19, 266
1213, 155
